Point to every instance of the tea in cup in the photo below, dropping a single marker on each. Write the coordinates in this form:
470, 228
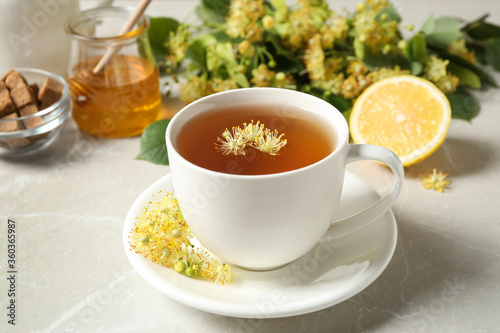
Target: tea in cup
258, 173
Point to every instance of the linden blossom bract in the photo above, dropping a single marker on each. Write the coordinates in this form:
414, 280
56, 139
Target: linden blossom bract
252, 135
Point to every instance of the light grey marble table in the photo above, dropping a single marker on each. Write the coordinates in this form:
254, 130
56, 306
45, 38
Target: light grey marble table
69, 203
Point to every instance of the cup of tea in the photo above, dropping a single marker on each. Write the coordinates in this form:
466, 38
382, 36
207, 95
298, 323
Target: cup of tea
258, 173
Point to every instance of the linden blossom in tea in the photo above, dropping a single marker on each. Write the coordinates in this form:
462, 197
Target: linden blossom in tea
308, 139
253, 136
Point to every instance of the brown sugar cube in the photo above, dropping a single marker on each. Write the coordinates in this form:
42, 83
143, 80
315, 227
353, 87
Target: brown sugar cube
50, 92
6, 74
12, 126
6, 104
29, 110
34, 87
14, 79
22, 95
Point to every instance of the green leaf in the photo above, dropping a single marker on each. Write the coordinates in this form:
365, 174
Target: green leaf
429, 25
347, 115
482, 30
463, 104
338, 101
446, 29
416, 48
197, 50
448, 23
153, 148
359, 49
225, 51
465, 76
385, 60
444, 38
241, 80
213, 11
479, 51
416, 68
492, 53
392, 14
158, 32
286, 61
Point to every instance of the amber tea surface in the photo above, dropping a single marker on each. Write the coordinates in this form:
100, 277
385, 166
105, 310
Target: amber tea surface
308, 139
121, 101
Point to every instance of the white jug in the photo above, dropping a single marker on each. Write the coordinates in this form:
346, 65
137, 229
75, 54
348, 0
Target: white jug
32, 33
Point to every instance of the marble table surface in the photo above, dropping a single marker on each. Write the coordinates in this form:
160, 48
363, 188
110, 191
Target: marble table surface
69, 204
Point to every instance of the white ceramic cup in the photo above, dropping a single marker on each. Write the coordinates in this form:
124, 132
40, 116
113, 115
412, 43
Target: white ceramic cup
265, 221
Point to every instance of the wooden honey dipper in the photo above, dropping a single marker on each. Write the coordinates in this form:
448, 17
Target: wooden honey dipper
127, 27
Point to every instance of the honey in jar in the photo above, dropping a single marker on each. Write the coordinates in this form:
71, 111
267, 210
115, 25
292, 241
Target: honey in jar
121, 100
121, 97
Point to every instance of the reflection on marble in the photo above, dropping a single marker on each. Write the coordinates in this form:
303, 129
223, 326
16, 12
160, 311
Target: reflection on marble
70, 200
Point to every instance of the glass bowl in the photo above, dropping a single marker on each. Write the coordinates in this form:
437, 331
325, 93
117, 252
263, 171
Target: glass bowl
49, 120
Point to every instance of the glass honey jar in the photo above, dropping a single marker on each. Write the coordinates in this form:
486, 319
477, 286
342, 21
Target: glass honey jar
118, 97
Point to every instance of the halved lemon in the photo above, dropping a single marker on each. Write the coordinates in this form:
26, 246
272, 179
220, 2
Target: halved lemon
407, 114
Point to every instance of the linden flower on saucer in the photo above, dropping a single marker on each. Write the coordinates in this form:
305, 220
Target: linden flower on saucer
166, 256
140, 240
220, 272
269, 142
435, 180
167, 208
232, 143
198, 263
162, 235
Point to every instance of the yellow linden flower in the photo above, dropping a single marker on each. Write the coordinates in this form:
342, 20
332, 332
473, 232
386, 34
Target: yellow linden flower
243, 18
251, 131
262, 76
167, 242
459, 48
177, 44
282, 80
246, 49
435, 180
448, 84
269, 142
304, 22
353, 85
141, 240
220, 272
218, 85
435, 68
180, 232
335, 29
232, 143
198, 261
384, 72
314, 58
196, 87
357, 67
268, 22
165, 254
167, 209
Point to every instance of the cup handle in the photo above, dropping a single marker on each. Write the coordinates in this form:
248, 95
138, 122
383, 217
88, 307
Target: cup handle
358, 152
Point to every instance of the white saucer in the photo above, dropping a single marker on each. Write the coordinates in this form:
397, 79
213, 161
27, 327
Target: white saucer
337, 269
